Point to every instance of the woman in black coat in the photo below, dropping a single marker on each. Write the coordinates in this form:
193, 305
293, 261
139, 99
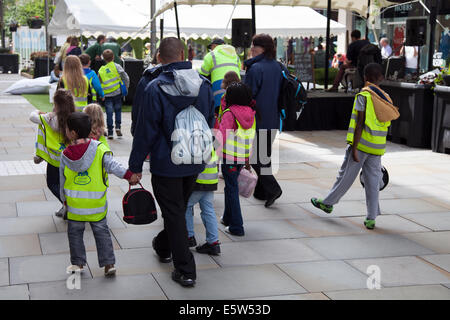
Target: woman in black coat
264, 77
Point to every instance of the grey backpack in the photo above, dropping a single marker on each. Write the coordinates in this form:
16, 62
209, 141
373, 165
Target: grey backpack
192, 138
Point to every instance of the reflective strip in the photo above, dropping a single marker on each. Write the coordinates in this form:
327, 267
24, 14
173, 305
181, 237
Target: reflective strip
206, 73
86, 212
208, 176
50, 154
354, 116
111, 80
224, 65
79, 108
366, 143
81, 99
111, 86
375, 133
221, 91
213, 56
84, 194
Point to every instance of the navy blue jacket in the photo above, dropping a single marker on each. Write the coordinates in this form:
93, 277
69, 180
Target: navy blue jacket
264, 77
156, 119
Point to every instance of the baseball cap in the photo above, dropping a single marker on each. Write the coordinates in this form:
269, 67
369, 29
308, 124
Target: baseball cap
217, 41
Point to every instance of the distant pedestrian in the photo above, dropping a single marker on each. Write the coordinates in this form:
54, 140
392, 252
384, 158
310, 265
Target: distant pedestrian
52, 138
366, 140
85, 165
386, 50
60, 57
74, 48
236, 133
111, 76
96, 93
229, 78
264, 78
95, 53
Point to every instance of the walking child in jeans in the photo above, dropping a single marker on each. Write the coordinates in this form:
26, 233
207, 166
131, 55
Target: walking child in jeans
236, 133
111, 76
203, 194
83, 172
366, 140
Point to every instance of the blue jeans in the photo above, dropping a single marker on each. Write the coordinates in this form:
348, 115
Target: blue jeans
206, 201
113, 105
232, 215
103, 242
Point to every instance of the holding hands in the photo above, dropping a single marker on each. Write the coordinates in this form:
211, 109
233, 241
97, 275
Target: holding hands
135, 179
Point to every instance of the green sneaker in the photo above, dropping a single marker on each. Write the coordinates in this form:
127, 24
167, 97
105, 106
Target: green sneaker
370, 224
320, 205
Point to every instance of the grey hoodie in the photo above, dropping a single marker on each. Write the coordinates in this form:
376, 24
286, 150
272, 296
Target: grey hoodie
85, 162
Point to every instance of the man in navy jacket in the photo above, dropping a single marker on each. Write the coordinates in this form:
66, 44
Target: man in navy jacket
177, 87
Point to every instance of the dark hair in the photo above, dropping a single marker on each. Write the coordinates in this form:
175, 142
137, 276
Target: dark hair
79, 122
356, 34
373, 72
74, 41
64, 106
266, 42
229, 78
85, 59
170, 48
238, 93
100, 38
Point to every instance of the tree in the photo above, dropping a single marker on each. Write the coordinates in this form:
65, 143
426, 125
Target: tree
23, 10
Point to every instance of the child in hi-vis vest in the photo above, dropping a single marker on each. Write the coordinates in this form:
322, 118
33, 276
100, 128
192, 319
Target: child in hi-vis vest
366, 140
84, 169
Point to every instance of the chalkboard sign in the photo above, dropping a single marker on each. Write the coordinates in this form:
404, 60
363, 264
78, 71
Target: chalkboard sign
304, 67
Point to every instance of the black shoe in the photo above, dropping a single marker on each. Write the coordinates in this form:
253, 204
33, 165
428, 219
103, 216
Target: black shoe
258, 196
272, 199
223, 222
192, 242
182, 279
161, 258
212, 249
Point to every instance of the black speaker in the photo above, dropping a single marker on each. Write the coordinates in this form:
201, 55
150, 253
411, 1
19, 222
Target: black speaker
134, 68
416, 32
241, 35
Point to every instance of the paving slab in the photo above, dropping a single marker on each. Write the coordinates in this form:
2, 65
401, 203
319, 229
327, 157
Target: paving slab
439, 221
440, 260
321, 276
278, 211
4, 272
390, 224
37, 208
404, 206
41, 269
58, 242
19, 245
139, 287
8, 210
403, 271
303, 296
439, 242
268, 230
342, 209
264, 252
19, 292
23, 183
22, 195
325, 226
26, 225
365, 246
232, 283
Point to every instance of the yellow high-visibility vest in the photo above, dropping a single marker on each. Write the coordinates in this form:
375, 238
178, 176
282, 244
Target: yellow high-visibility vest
49, 144
109, 77
80, 98
211, 174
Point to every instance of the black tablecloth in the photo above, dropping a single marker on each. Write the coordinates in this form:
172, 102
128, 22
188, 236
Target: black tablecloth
440, 139
325, 111
415, 103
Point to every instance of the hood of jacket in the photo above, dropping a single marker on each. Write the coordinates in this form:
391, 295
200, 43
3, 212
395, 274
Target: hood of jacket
153, 71
244, 115
77, 163
248, 63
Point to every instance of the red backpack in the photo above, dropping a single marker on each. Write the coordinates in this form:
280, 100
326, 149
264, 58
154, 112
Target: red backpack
138, 206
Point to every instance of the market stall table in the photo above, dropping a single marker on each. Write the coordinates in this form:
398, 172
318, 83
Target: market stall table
440, 139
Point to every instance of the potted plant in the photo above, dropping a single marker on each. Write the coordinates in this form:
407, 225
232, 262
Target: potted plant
35, 22
13, 26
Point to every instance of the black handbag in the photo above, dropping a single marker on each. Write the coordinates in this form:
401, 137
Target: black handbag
139, 206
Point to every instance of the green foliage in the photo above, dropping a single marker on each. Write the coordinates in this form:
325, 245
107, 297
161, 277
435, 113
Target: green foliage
21, 11
319, 75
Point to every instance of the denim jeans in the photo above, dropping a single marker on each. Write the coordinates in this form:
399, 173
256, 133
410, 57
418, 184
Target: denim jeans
206, 201
113, 105
103, 242
232, 215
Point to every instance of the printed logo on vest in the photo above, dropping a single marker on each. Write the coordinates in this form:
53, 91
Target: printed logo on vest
62, 147
82, 178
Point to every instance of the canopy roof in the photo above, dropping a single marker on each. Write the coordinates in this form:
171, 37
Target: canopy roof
359, 6
204, 21
113, 18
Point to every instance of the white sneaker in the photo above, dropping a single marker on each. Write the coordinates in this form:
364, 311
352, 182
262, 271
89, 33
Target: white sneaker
74, 269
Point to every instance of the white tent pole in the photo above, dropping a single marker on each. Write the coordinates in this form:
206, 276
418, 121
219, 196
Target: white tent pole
231, 16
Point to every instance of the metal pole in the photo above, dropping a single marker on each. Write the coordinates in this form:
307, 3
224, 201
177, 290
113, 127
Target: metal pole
327, 53
161, 27
176, 18
433, 16
2, 23
47, 42
152, 28
253, 17
367, 20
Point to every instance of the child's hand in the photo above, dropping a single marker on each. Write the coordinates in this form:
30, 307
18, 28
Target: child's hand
355, 154
135, 179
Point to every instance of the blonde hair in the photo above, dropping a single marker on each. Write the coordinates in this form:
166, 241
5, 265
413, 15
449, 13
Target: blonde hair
73, 75
95, 113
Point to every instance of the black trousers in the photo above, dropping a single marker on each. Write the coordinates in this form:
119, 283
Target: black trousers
172, 195
53, 180
267, 186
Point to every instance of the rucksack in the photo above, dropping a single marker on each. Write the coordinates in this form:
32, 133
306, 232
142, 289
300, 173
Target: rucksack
370, 53
292, 98
192, 138
138, 206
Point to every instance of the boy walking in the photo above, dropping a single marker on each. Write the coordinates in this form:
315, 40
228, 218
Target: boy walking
111, 76
203, 194
366, 140
83, 172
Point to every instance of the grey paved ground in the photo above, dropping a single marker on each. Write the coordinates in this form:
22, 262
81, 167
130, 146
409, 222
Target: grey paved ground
290, 251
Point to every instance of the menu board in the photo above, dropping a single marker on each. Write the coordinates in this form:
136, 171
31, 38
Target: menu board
304, 68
